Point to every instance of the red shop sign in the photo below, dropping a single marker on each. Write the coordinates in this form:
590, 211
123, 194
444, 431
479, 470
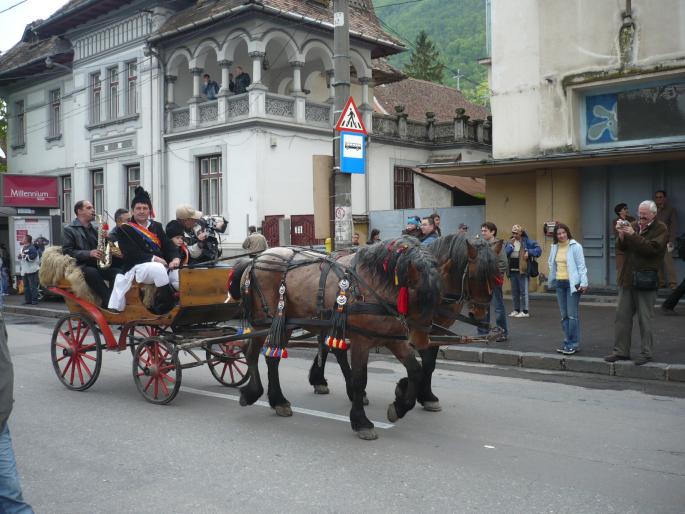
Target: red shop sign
29, 191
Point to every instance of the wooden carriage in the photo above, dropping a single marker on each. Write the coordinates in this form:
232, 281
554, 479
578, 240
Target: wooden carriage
203, 320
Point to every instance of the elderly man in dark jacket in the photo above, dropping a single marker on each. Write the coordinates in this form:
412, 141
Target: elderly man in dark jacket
11, 499
643, 244
80, 241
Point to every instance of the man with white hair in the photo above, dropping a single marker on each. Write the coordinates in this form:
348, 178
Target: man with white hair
643, 243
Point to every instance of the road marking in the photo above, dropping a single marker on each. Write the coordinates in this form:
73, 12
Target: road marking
299, 410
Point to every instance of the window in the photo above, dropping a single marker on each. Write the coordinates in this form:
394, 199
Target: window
113, 79
131, 89
98, 177
66, 198
132, 181
95, 98
20, 128
210, 184
54, 116
404, 188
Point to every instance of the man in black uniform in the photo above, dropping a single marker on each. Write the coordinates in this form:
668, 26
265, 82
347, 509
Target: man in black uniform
80, 241
148, 255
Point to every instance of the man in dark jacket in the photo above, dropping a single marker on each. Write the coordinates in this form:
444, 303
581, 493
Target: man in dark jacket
643, 245
80, 241
239, 84
11, 499
667, 214
148, 256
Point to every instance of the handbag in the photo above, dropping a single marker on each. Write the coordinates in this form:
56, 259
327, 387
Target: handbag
646, 280
533, 270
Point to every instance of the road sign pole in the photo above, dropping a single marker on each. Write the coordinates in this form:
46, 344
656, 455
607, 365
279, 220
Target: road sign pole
341, 198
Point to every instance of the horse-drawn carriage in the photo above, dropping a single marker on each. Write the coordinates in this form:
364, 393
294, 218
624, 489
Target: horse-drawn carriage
396, 294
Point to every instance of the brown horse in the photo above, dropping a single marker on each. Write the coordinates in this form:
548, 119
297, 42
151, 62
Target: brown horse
378, 295
468, 270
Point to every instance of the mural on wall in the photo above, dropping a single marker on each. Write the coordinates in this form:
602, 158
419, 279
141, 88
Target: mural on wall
648, 113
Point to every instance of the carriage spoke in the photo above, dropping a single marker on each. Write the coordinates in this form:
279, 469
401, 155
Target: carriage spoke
66, 368
86, 356
73, 370
83, 336
80, 370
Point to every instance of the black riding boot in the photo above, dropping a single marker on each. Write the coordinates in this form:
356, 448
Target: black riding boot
165, 300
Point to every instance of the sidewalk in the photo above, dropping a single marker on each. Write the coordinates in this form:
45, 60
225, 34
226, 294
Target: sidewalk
533, 341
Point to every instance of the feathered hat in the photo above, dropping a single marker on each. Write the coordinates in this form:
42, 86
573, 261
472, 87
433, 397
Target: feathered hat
142, 196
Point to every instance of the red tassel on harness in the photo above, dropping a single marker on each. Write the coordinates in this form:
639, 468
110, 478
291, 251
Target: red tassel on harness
230, 278
403, 301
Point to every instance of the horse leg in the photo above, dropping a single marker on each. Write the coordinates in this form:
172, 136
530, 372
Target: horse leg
276, 398
360, 423
251, 391
341, 357
425, 394
405, 392
316, 372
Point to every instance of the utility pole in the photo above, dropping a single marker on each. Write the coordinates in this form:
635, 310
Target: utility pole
341, 183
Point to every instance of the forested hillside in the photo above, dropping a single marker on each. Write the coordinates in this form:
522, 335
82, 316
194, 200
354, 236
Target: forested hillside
457, 27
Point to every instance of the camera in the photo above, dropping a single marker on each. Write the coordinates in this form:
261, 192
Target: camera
214, 226
623, 223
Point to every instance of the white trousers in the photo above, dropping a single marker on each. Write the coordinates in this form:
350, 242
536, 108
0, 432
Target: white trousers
173, 279
146, 273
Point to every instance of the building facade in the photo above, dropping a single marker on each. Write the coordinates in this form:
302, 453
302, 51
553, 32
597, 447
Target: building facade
108, 95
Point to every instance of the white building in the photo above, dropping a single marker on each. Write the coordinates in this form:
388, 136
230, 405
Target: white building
108, 95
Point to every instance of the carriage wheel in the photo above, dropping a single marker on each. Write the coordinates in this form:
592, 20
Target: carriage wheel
156, 370
139, 333
230, 368
76, 352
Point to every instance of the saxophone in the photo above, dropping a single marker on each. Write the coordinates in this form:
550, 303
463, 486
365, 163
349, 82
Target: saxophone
104, 245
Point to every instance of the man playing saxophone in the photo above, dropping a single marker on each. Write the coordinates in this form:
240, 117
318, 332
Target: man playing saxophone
80, 241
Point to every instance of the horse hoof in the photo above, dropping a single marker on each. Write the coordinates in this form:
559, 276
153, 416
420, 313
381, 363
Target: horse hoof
321, 389
365, 400
432, 406
367, 434
284, 410
243, 401
392, 413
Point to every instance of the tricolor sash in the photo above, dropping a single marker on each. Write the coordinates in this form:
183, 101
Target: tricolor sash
185, 255
146, 234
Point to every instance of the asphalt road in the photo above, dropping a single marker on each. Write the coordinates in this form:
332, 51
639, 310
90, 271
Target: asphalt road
506, 441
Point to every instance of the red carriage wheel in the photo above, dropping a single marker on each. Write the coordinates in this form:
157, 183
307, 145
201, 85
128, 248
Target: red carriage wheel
76, 352
138, 333
156, 370
227, 363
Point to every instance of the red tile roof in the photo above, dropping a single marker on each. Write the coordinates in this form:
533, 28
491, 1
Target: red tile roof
420, 96
469, 185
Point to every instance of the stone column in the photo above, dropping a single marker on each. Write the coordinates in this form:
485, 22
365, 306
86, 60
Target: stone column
225, 72
329, 80
196, 98
300, 97
401, 121
170, 94
257, 90
430, 126
297, 75
257, 59
366, 108
480, 131
460, 124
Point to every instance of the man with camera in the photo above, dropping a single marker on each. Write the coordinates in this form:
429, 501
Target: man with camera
643, 245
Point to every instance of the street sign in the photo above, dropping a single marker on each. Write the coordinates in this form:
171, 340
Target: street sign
352, 152
350, 120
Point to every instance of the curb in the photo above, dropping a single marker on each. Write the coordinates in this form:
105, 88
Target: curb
553, 362
34, 311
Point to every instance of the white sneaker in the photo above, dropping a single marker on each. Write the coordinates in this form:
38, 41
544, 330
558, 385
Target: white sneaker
514, 314
523, 315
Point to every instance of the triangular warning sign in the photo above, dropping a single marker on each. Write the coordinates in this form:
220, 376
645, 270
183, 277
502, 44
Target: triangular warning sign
350, 120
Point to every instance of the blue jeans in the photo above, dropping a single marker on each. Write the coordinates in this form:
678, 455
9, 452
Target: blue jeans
5, 281
568, 307
519, 290
11, 500
31, 287
500, 313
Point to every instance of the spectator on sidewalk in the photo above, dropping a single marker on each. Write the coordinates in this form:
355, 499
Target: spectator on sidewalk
428, 233
255, 242
29, 264
568, 275
463, 229
668, 307
644, 245
488, 231
667, 214
520, 249
11, 499
436, 221
412, 228
375, 237
622, 213
355, 239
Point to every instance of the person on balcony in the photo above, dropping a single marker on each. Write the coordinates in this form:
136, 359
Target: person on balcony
210, 88
242, 80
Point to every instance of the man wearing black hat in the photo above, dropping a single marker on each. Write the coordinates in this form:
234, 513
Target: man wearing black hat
148, 255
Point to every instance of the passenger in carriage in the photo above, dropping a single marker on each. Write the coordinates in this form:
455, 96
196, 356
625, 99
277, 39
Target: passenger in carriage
80, 241
148, 256
189, 222
176, 235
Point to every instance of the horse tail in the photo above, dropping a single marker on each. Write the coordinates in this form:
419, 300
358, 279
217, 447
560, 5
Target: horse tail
236, 275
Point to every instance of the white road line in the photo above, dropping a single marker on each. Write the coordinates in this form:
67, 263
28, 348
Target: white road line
299, 410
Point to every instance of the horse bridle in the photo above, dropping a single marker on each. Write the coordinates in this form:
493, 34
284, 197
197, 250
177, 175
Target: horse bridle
464, 297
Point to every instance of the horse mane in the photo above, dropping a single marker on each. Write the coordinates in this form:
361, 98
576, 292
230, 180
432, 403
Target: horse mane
384, 260
454, 247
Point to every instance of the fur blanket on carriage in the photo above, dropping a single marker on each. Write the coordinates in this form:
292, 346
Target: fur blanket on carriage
55, 267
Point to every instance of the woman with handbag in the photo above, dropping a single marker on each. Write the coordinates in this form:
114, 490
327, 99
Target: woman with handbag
520, 250
568, 274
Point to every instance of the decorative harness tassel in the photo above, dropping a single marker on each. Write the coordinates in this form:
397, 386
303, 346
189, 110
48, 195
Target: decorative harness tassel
336, 336
275, 345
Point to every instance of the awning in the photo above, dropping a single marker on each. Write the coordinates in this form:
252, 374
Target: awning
471, 186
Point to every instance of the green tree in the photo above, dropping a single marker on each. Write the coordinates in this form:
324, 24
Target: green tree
480, 94
425, 63
3, 136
